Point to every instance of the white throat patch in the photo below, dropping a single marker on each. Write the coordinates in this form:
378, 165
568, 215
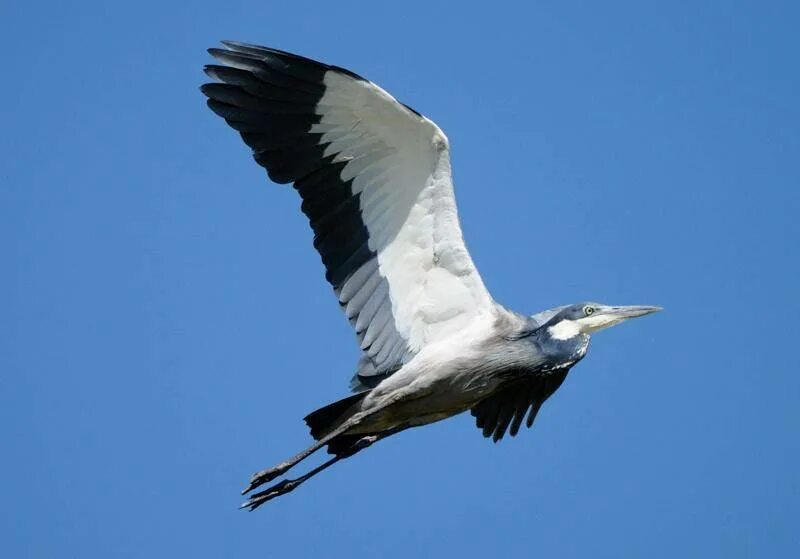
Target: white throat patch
564, 329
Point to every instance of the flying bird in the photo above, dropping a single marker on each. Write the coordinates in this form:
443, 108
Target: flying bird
375, 181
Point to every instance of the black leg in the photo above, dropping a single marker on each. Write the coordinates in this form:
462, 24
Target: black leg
287, 485
265, 476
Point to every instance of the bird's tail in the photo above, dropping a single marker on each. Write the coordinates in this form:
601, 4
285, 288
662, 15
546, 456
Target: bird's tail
327, 418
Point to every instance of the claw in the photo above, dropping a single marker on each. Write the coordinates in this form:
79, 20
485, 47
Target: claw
264, 476
280, 488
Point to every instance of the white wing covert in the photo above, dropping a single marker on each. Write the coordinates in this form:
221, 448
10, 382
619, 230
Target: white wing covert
375, 181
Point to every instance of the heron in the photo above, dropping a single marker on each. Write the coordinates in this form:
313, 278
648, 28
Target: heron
375, 181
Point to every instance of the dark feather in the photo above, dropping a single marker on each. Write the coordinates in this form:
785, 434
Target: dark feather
281, 61
268, 71
325, 418
272, 98
522, 405
490, 409
508, 406
254, 86
279, 123
235, 95
503, 419
532, 415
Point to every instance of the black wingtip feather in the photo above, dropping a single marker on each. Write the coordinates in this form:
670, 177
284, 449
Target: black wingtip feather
210, 70
256, 50
239, 45
233, 55
272, 98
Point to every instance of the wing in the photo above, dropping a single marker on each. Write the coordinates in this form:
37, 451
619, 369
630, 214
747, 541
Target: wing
508, 406
374, 177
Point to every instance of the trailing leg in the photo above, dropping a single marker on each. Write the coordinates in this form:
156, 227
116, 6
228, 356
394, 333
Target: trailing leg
265, 476
287, 485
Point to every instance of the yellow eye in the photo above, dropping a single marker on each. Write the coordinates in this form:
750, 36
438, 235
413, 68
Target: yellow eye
587, 310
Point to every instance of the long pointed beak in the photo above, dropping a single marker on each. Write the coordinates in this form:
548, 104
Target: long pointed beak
633, 311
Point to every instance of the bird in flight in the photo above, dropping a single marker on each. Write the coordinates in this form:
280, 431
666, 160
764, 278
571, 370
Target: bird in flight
375, 181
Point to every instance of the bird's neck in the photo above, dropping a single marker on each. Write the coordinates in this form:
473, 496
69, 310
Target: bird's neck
565, 338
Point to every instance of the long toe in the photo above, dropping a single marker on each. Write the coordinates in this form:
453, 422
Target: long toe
276, 490
264, 476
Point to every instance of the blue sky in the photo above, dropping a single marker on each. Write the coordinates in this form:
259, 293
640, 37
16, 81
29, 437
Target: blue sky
166, 325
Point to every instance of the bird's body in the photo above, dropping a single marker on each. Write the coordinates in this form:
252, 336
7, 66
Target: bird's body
375, 180
452, 376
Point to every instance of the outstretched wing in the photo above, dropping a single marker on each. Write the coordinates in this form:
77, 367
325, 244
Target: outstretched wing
508, 406
374, 177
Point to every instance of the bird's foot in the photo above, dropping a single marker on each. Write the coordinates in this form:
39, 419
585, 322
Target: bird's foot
265, 476
360, 444
280, 488
364, 442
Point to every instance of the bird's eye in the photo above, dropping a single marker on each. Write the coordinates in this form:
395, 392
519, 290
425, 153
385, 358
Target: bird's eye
588, 310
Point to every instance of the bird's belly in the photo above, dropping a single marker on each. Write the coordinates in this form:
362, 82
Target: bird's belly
437, 397
441, 381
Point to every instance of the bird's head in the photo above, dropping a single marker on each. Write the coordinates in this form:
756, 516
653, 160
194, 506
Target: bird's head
588, 318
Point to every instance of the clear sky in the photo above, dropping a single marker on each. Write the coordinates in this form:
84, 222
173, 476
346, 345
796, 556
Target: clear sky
166, 325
